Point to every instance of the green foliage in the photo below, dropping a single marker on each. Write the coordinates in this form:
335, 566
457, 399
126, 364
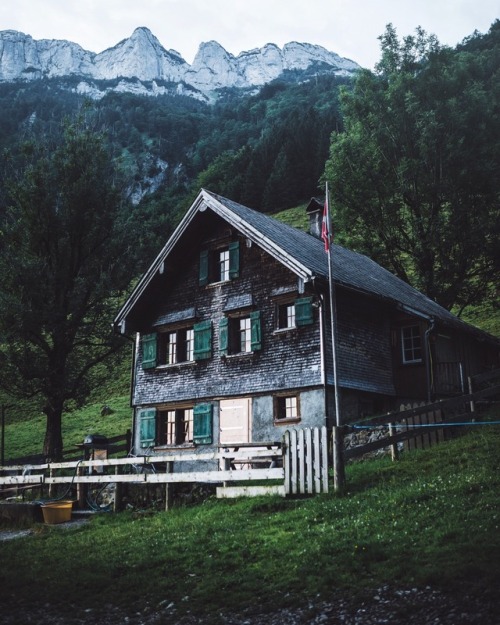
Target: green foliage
67, 254
415, 177
430, 519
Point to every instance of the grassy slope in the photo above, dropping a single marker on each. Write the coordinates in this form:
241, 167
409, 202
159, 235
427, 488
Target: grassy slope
430, 519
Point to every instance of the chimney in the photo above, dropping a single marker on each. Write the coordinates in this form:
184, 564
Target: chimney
315, 212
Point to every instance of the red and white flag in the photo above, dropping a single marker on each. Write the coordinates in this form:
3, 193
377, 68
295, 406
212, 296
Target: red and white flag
326, 233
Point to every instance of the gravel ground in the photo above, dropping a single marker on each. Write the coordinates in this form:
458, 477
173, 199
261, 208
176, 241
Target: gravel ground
386, 606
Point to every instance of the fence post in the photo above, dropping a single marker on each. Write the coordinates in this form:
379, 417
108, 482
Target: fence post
81, 490
338, 459
169, 468
51, 485
324, 458
317, 461
286, 461
394, 446
472, 404
117, 504
294, 467
308, 465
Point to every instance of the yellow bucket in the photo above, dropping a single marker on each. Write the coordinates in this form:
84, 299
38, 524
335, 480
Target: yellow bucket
57, 512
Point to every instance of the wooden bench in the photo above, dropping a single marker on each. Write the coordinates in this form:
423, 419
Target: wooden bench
265, 454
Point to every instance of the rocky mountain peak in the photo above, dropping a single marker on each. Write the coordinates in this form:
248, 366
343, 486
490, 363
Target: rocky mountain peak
142, 58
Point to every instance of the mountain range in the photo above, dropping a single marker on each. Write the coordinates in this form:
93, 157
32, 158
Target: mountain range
140, 64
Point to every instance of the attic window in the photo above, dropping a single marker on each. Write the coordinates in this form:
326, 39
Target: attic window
220, 264
411, 344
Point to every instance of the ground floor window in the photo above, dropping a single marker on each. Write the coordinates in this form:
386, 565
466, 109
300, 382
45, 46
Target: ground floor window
176, 426
286, 408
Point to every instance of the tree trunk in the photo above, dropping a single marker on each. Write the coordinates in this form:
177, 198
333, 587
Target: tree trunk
53, 443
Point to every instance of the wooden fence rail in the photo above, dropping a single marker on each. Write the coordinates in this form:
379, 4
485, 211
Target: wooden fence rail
300, 463
420, 425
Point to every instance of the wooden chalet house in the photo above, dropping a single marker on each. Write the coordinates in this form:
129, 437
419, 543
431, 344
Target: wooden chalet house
233, 343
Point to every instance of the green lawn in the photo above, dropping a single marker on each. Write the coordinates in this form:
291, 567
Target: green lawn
430, 519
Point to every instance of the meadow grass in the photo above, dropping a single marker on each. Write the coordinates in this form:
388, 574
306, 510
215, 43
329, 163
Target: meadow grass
25, 437
430, 519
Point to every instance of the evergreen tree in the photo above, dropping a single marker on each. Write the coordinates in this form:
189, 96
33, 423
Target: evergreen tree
415, 177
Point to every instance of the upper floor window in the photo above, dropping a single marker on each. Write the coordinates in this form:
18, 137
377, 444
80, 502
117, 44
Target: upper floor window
294, 313
220, 264
240, 334
286, 315
244, 337
177, 346
223, 270
411, 343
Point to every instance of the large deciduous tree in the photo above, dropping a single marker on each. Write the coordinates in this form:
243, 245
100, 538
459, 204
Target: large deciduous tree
415, 177
65, 253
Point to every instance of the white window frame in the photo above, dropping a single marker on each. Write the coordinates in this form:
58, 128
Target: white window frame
411, 344
285, 315
287, 408
178, 425
244, 335
177, 343
223, 265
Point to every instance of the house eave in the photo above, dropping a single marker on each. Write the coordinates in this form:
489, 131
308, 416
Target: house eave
205, 201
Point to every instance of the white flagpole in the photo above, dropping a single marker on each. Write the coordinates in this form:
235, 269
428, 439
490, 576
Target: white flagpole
338, 463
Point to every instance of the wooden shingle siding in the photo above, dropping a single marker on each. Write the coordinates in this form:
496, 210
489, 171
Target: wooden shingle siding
285, 360
364, 345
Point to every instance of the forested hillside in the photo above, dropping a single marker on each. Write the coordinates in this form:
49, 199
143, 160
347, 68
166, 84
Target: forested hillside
266, 150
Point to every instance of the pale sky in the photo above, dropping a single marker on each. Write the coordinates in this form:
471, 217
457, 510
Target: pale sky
348, 27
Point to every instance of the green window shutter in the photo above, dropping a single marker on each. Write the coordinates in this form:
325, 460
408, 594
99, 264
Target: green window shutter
203, 275
224, 336
202, 340
148, 351
147, 427
255, 333
203, 424
234, 259
303, 311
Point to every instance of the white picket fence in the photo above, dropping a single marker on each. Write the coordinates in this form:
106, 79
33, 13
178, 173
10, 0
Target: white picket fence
305, 461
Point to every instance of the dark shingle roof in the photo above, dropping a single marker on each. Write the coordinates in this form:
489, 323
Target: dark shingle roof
305, 255
349, 268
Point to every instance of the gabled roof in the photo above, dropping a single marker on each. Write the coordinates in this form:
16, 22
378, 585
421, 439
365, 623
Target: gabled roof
304, 255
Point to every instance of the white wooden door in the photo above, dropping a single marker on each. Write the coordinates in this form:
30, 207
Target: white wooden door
235, 421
